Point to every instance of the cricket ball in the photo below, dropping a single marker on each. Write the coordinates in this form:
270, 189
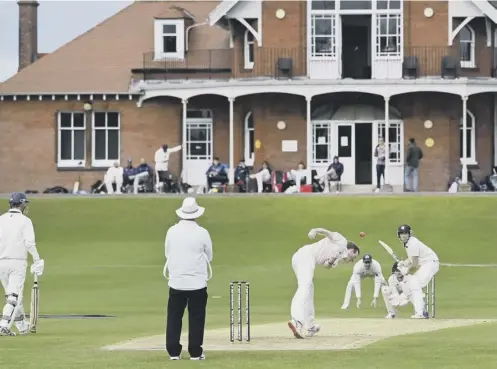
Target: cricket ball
362, 234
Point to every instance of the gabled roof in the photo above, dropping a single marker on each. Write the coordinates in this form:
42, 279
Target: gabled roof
488, 8
221, 10
101, 59
175, 12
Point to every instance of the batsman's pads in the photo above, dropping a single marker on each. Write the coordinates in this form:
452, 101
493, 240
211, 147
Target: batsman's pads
35, 302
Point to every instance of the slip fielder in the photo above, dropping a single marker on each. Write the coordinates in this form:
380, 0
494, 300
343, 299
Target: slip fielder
329, 252
17, 239
365, 268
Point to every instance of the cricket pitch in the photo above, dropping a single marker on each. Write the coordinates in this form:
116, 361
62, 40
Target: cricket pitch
335, 334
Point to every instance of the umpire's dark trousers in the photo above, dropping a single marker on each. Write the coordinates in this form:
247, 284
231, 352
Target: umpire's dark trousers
197, 304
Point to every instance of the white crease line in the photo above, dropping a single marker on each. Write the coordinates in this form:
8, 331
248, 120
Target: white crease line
469, 265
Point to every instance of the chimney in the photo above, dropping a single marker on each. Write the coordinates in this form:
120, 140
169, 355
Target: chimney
28, 32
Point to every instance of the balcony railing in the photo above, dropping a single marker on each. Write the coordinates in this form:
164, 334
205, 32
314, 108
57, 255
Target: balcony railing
285, 63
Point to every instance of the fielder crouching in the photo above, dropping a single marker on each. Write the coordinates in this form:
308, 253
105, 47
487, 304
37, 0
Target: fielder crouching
401, 290
17, 238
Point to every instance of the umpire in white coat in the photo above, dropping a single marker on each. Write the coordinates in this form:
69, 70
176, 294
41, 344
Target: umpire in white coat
188, 258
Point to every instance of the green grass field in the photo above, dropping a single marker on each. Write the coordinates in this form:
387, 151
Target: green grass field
105, 256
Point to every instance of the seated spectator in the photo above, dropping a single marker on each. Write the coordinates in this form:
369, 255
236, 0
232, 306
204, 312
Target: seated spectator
216, 173
263, 176
114, 175
142, 173
296, 176
127, 172
242, 176
332, 174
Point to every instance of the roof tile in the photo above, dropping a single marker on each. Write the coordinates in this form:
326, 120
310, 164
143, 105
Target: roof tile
101, 59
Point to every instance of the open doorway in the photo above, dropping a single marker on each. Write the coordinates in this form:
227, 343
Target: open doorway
356, 46
363, 153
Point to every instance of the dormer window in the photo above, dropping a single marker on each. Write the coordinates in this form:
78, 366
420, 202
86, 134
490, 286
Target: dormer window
169, 39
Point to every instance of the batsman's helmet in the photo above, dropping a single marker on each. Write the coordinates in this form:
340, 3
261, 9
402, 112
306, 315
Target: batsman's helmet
404, 228
17, 198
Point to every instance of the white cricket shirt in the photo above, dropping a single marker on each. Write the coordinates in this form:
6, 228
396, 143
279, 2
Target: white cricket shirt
188, 249
161, 158
327, 249
17, 236
362, 272
416, 248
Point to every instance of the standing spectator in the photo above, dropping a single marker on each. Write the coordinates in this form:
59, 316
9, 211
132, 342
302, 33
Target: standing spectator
161, 158
413, 157
188, 258
380, 153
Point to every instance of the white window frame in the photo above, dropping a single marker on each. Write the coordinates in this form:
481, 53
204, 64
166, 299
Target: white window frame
248, 44
394, 147
249, 156
72, 163
471, 131
332, 54
159, 39
105, 163
317, 125
396, 50
471, 63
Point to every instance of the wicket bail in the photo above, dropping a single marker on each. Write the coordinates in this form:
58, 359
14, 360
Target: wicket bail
239, 310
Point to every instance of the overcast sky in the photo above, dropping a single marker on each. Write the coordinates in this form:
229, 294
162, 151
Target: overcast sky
58, 23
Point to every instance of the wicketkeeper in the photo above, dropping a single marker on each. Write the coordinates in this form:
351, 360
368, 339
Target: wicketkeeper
17, 239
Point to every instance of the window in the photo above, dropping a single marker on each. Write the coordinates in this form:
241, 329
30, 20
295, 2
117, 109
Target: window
470, 138
169, 40
323, 36
248, 50
105, 138
323, 5
71, 139
355, 4
388, 35
249, 139
388, 5
467, 47
321, 143
394, 140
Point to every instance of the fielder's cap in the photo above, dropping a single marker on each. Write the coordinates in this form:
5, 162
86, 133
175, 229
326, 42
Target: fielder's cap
367, 258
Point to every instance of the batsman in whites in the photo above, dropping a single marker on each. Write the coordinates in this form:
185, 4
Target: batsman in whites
329, 252
365, 268
17, 239
419, 256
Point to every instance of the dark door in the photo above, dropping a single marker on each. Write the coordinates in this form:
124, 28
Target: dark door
363, 153
355, 44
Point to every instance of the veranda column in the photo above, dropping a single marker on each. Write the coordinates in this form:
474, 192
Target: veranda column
387, 137
464, 178
231, 173
184, 143
309, 133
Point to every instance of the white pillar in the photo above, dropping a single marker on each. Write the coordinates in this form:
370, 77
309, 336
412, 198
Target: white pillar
464, 178
184, 147
387, 136
495, 130
309, 133
231, 173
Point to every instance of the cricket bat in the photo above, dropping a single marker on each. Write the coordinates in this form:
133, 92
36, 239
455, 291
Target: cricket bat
35, 301
390, 251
